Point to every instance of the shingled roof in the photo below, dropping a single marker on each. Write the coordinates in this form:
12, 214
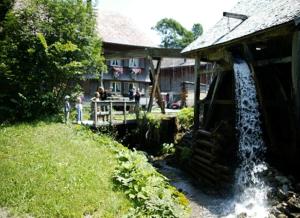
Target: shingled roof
117, 29
262, 14
177, 62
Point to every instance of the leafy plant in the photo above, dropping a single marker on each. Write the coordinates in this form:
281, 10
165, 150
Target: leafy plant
185, 118
150, 191
168, 148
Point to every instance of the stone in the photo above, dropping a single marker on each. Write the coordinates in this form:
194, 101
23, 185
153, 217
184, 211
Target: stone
295, 215
282, 216
242, 215
285, 188
282, 179
294, 204
297, 187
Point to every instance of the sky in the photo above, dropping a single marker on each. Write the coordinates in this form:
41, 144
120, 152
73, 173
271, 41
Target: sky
146, 13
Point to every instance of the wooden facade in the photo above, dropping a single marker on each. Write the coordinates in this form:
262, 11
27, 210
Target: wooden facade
273, 56
176, 73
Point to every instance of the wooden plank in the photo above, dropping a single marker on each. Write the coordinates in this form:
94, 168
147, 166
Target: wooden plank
110, 112
284, 60
296, 79
206, 144
201, 165
155, 87
213, 98
206, 154
204, 133
197, 94
201, 159
124, 110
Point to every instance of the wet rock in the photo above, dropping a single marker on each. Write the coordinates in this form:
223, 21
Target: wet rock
242, 215
295, 215
294, 204
297, 187
282, 179
282, 216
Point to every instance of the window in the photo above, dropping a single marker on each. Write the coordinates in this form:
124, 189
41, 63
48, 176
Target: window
116, 62
133, 62
116, 87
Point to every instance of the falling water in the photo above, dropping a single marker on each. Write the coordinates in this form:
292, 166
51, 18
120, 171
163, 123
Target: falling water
251, 191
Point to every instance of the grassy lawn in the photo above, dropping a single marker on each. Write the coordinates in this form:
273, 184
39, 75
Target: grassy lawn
56, 170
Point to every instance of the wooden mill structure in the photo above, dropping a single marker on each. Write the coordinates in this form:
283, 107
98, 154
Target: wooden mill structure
266, 33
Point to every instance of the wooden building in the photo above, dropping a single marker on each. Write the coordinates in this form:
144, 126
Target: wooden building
178, 72
119, 33
266, 34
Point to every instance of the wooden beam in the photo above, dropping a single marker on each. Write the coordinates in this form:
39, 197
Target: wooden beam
197, 94
155, 53
155, 87
234, 15
284, 60
212, 101
296, 77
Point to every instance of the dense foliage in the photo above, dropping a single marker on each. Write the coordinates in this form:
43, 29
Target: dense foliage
45, 48
185, 118
151, 193
174, 35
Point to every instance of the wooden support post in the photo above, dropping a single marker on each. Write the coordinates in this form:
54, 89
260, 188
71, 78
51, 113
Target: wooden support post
197, 94
155, 87
212, 100
296, 79
124, 111
296, 87
95, 113
110, 112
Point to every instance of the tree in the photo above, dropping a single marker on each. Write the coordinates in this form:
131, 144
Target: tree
174, 35
197, 30
45, 49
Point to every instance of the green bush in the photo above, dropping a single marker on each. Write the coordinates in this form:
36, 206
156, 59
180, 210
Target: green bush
150, 191
185, 118
167, 148
45, 48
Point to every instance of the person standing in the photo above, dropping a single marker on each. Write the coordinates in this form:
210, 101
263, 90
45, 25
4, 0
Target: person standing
78, 107
67, 108
137, 98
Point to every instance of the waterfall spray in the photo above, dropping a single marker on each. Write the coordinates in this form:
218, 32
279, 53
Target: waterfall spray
251, 191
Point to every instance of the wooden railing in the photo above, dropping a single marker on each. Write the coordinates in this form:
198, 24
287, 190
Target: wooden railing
103, 110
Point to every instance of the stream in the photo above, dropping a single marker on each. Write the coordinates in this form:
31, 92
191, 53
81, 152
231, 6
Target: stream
203, 205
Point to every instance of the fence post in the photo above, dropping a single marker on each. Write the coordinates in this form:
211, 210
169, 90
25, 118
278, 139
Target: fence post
124, 111
95, 113
110, 112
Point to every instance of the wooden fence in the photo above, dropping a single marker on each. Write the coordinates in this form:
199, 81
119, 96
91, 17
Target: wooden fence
104, 110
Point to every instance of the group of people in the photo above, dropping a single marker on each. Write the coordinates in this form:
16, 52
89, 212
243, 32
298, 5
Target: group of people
135, 94
100, 95
78, 106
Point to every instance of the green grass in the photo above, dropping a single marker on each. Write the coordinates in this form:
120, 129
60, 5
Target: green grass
57, 170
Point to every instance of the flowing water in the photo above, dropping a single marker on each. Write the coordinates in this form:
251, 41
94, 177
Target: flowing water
250, 194
250, 189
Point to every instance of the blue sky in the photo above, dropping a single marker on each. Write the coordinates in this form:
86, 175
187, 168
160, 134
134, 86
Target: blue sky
145, 13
